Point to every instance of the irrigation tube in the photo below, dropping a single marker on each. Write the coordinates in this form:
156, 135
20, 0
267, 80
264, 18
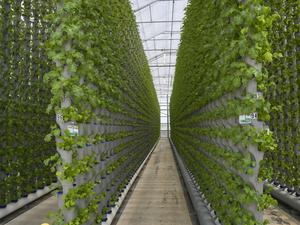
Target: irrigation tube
285, 197
115, 209
203, 213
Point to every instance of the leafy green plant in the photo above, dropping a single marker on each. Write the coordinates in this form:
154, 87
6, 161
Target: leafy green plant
103, 96
24, 98
219, 67
283, 94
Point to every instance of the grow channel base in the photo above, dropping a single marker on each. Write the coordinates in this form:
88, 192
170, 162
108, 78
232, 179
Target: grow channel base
284, 196
14, 206
115, 209
204, 213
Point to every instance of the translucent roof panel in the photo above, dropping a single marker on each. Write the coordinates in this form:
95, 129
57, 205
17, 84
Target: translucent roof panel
160, 22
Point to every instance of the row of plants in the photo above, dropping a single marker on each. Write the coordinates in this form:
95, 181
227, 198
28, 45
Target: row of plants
284, 95
24, 99
219, 80
107, 112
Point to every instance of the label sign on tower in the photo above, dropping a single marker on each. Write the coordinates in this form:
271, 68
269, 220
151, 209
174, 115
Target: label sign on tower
73, 129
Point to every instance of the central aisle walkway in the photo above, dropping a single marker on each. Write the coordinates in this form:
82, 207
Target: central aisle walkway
158, 197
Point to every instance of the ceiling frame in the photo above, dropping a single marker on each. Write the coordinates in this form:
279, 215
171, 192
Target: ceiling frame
159, 22
151, 3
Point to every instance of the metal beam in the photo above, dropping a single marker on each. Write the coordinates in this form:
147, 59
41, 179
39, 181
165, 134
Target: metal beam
151, 3
160, 21
161, 33
162, 86
160, 77
161, 55
163, 89
166, 65
163, 39
160, 50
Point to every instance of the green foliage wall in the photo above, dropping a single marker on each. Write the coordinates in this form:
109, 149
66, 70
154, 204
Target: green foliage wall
219, 76
101, 84
284, 94
23, 99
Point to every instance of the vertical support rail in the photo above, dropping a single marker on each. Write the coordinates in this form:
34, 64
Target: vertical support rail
253, 149
66, 156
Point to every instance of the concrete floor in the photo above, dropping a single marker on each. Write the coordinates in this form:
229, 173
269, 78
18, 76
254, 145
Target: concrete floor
279, 216
158, 197
36, 215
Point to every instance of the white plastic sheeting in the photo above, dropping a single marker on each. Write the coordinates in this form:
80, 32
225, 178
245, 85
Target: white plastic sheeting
160, 23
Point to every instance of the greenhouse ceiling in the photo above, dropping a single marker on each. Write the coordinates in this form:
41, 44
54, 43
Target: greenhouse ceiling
160, 22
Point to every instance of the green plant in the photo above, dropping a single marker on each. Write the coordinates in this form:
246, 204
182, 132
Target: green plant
101, 87
24, 97
224, 44
283, 94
